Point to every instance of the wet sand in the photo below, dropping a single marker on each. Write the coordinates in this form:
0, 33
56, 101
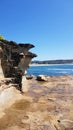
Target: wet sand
43, 106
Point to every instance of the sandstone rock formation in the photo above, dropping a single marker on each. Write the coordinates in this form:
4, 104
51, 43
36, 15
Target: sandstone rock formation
15, 59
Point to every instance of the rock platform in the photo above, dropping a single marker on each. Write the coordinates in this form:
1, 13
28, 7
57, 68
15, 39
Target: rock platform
42, 106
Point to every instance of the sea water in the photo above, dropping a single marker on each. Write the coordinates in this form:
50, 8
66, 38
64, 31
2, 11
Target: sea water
51, 70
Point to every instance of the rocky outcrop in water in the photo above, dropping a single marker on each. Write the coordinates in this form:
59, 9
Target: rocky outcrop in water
15, 59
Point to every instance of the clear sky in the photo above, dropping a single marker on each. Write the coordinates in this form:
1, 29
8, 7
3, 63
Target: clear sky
48, 24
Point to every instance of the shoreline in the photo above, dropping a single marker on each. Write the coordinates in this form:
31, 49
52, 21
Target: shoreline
47, 64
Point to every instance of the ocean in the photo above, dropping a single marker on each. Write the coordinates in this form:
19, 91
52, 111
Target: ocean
51, 70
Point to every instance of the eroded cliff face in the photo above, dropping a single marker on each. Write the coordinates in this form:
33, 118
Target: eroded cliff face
15, 59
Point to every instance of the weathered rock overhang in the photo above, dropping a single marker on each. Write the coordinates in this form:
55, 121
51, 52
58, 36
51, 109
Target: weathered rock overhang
15, 59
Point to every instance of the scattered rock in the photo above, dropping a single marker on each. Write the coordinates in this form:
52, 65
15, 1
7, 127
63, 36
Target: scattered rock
42, 78
29, 77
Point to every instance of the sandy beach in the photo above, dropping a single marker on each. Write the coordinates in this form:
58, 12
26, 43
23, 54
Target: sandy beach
48, 64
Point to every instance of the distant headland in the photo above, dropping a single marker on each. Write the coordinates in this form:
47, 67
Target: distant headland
68, 61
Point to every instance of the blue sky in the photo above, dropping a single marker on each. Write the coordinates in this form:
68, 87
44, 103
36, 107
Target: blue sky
48, 24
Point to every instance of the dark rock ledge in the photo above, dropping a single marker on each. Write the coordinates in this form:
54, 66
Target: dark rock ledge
15, 59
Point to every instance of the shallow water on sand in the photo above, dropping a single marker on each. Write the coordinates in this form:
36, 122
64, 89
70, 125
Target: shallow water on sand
21, 105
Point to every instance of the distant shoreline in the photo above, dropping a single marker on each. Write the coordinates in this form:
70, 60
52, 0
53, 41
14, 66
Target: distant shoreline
39, 64
59, 61
49, 64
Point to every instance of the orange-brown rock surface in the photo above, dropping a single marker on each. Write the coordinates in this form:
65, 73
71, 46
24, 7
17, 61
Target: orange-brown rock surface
42, 106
